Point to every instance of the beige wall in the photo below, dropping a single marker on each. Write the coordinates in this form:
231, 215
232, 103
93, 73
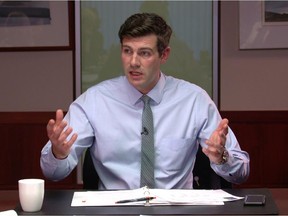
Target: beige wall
36, 81
250, 79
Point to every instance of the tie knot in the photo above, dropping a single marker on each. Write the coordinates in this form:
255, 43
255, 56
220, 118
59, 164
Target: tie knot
145, 99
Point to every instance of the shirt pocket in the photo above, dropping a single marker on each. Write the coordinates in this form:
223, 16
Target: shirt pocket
173, 154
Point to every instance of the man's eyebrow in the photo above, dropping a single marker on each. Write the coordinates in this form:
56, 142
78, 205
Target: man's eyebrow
146, 48
126, 46
140, 49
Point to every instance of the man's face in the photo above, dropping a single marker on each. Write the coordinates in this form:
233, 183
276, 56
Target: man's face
141, 61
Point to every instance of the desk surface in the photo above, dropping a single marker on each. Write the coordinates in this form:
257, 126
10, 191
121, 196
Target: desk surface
58, 203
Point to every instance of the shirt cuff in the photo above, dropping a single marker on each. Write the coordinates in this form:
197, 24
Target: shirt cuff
55, 161
226, 167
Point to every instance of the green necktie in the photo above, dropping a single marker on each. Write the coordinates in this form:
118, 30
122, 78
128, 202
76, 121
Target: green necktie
147, 148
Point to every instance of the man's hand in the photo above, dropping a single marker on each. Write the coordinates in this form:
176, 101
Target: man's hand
58, 136
216, 142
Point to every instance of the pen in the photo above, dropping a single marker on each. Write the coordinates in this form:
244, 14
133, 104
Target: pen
136, 200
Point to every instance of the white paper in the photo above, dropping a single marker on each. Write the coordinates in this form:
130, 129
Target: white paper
8, 213
163, 197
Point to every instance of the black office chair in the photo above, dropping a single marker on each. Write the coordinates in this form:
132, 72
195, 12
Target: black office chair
204, 175
90, 176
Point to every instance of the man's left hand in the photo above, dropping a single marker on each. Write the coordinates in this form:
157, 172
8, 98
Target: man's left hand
216, 143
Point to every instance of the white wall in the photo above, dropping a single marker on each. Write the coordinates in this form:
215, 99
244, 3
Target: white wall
249, 79
36, 81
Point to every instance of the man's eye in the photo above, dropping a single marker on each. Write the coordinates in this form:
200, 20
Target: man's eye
127, 51
145, 53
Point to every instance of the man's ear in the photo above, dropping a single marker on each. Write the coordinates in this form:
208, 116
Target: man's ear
165, 55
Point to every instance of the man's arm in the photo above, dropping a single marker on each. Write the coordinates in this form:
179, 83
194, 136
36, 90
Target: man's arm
235, 168
216, 143
56, 159
58, 136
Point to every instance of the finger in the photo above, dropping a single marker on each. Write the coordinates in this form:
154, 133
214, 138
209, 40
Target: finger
53, 124
219, 135
215, 139
225, 121
205, 151
59, 116
66, 146
215, 145
212, 152
50, 127
210, 143
220, 138
225, 130
62, 148
64, 134
223, 125
57, 131
72, 140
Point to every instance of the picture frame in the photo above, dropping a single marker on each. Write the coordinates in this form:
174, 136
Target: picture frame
57, 35
255, 33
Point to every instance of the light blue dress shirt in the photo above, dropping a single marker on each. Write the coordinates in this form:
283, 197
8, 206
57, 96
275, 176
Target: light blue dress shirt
107, 118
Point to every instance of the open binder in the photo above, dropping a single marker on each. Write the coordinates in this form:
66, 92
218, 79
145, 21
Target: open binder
158, 197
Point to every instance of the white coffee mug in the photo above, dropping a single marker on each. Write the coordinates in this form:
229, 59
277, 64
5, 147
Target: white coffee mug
31, 194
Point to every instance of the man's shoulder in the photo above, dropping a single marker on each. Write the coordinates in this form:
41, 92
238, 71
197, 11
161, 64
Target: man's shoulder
183, 90
173, 82
109, 84
103, 89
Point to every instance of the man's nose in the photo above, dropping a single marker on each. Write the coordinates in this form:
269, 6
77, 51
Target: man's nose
135, 60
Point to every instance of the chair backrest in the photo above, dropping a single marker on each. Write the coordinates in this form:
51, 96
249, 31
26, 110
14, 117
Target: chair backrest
204, 175
90, 176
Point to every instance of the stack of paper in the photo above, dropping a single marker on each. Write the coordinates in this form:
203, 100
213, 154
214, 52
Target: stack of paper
162, 197
8, 213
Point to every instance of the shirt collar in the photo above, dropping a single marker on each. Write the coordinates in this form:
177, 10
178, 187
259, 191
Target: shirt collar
155, 94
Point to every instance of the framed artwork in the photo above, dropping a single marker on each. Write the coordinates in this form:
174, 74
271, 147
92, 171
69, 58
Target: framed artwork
36, 25
263, 24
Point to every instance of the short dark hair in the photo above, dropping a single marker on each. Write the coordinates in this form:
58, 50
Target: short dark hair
143, 24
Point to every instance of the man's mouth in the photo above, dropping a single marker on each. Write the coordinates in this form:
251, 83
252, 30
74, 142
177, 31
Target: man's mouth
135, 73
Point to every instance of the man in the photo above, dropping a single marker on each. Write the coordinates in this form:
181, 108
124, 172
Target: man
108, 119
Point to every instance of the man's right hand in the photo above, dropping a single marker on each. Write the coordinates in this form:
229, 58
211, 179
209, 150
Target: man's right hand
58, 133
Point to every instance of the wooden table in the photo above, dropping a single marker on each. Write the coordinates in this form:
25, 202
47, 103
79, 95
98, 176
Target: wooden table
9, 199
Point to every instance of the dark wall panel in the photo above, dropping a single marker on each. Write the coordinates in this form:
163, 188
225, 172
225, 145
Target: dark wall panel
262, 134
22, 137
